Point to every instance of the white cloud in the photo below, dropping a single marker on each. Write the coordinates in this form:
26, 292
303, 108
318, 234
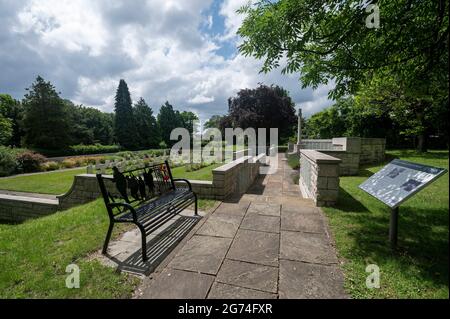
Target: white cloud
233, 20
200, 99
85, 47
74, 25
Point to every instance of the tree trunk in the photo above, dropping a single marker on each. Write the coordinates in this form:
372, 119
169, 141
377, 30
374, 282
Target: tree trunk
422, 142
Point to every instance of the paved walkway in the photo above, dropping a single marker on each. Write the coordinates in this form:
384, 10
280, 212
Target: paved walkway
268, 243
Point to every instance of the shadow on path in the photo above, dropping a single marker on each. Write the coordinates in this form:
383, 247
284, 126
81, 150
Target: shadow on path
158, 248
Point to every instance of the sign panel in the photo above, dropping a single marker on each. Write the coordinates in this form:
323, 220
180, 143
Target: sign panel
399, 180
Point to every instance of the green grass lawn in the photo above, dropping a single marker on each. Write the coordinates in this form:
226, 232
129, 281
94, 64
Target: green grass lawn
34, 255
57, 182
419, 268
293, 160
60, 182
203, 174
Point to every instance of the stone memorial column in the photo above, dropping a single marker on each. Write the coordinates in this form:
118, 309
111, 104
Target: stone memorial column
299, 130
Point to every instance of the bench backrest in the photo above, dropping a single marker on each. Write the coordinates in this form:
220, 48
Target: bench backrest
137, 185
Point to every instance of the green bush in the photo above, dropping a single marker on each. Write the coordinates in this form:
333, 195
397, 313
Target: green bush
8, 162
29, 162
93, 149
49, 166
293, 161
69, 163
80, 150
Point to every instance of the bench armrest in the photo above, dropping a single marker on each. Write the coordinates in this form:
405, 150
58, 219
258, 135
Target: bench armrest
127, 206
184, 180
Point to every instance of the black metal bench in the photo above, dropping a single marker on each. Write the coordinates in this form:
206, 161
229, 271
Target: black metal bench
146, 197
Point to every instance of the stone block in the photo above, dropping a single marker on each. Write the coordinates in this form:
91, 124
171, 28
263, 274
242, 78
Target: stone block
328, 170
332, 183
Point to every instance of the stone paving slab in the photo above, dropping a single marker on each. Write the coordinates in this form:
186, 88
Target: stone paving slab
261, 223
300, 280
224, 291
202, 254
267, 243
264, 209
249, 275
232, 208
256, 247
298, 221
307, 247
179, 284
221, 225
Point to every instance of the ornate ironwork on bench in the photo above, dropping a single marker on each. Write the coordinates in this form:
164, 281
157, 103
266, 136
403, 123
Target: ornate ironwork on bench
146, 197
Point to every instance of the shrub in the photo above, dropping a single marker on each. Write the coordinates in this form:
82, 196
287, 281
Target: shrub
50, 166
93, 149
29, 162
8, 162
69, 163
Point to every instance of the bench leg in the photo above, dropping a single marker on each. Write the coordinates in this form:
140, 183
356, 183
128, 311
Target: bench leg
144, 244
108, 237
196, 205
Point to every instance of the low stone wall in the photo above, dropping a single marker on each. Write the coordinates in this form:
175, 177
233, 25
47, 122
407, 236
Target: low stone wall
14, 208
319, 177
356, 151
372, 150
234, 177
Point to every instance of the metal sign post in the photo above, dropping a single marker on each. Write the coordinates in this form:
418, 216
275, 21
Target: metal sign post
393, 227
395, 183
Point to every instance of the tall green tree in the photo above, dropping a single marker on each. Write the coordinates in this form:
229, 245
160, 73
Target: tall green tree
91, 126
124, 128
330, 40
168, 119
6, 131
263, 107
189, 120
214, 121
146, 125
12, 112
46, 121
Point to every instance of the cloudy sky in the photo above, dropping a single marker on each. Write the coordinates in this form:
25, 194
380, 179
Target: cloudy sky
176, 50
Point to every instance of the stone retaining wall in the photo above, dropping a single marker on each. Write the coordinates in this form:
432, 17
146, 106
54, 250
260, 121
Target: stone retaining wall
357, 151
15, 208
319, 177
372, 150
234, 177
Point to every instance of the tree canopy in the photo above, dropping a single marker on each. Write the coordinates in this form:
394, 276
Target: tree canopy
330, 41
124, 128
263, 107
46, 121
146, 125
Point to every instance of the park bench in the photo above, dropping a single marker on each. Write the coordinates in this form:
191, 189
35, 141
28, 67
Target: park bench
147, 197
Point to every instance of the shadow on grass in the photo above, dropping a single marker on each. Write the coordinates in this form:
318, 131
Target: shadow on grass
422, 241
347, 203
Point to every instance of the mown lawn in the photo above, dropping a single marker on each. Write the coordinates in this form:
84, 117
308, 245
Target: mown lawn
203, 174
56, 182
419, 267
60, 182
34, 256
